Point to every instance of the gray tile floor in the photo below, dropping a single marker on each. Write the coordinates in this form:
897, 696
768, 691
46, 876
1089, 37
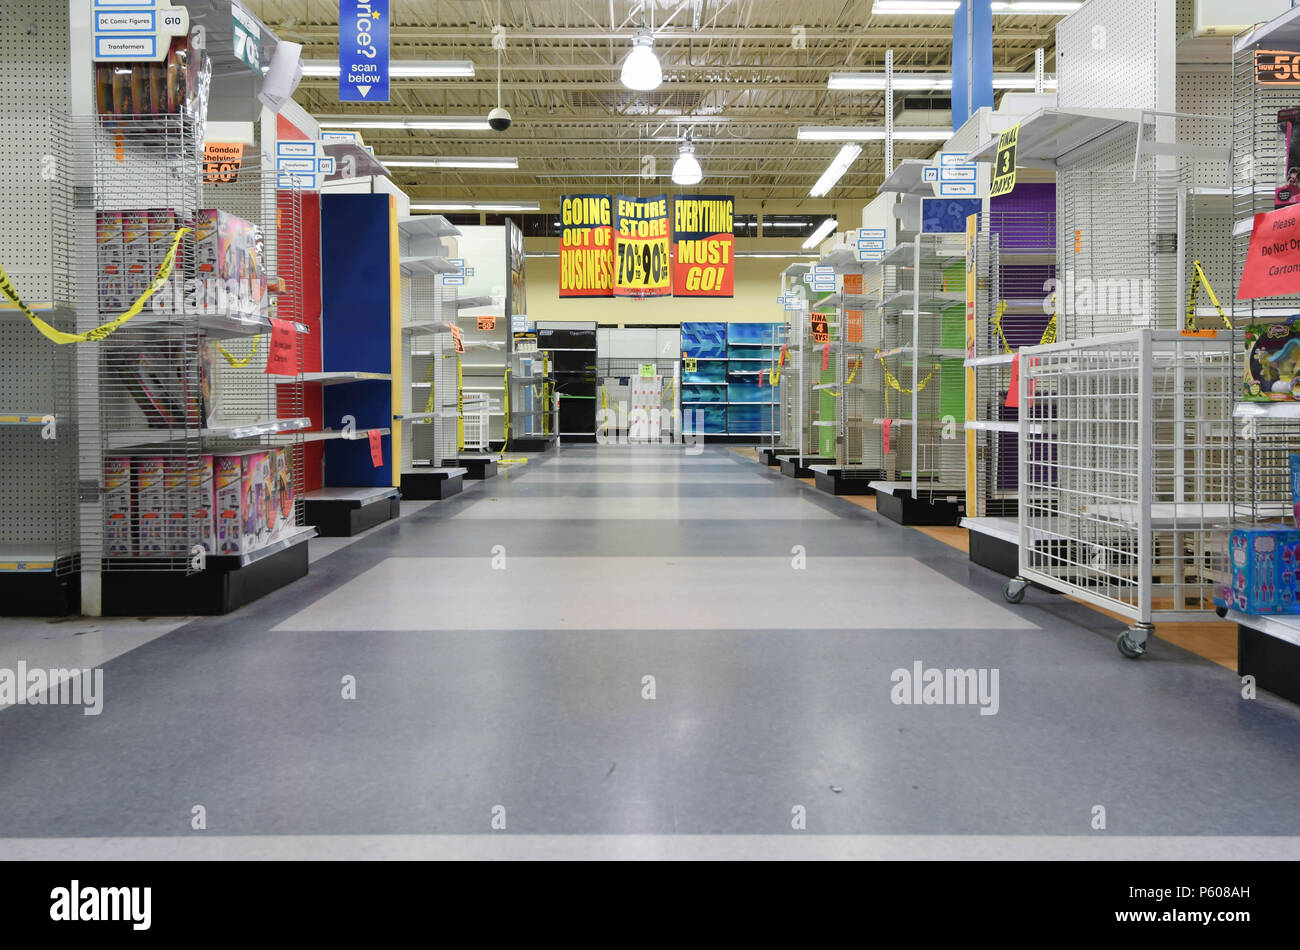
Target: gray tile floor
501, 644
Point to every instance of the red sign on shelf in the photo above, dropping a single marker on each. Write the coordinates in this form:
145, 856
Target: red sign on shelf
376, 448
885, 426
280, 354
826, 356
457, 339
1273, 261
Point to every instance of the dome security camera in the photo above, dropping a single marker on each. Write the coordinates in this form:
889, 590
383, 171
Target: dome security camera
499, 119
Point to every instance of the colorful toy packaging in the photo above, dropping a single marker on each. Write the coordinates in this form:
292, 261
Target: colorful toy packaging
1273, 362
1288, 130
109, 264
150, 507
176, 508
118, 541
282, 478
1265, 566
201, 493
228, 252
245, 501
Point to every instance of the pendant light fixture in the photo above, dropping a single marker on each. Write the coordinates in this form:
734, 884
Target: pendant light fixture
641, 69
687, 169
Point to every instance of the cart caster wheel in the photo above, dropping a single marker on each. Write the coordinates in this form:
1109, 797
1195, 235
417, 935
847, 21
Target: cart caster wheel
1014, 590
1128, 648
1221, 611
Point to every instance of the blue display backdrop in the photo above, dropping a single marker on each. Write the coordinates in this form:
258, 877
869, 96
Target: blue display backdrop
363, 50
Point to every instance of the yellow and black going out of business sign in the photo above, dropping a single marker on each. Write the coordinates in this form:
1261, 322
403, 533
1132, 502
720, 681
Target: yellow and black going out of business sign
704, 246
1004, 163
642, 265
586, 246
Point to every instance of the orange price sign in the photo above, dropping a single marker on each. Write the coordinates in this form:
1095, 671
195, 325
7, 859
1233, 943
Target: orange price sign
1277, 67
221, 162
487, 323
457, 338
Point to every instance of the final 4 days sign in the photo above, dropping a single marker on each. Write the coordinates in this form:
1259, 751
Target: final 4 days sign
363, 50
641, 239
586, 246
704, 246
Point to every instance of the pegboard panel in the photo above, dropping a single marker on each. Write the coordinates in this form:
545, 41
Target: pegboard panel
34, 76
1109, 55
1205, 91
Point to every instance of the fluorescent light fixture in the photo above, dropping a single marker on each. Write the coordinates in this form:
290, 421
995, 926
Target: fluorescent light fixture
835, 171
823, 229
871, 133
949, 7
478, 206
464, 161
1034, 7
687, 169
927, 82
413, 123
641, 69
785, 254
916, 7
408, 69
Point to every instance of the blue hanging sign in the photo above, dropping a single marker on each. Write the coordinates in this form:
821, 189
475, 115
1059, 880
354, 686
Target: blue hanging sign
363, 50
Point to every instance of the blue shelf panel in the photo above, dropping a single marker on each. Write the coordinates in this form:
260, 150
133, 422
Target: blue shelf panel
705, 419
749, 392
707, 340
706, 373
703, 393
751, 420
761, 333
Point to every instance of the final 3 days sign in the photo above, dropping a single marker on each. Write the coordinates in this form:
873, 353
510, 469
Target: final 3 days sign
641, 238
704, 244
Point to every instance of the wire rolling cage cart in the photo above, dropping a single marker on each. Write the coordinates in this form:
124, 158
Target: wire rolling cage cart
1124, 462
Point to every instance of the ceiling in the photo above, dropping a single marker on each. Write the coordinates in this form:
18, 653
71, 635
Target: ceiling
737, 72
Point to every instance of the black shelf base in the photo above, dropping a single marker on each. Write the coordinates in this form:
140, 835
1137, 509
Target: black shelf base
40, 594
797, 467
834, 483
767, 456
1274, 663
578, 438
997, 554
432, 485
223, 587
342, 518
480, 467
904, 509
529, 444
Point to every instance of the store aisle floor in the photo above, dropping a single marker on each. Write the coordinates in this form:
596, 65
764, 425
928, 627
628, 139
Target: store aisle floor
636, 642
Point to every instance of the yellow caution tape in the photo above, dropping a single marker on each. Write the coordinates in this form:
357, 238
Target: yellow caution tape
100, 332
997, 325
893, 382
1199, 278
235, 361
1049, 332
